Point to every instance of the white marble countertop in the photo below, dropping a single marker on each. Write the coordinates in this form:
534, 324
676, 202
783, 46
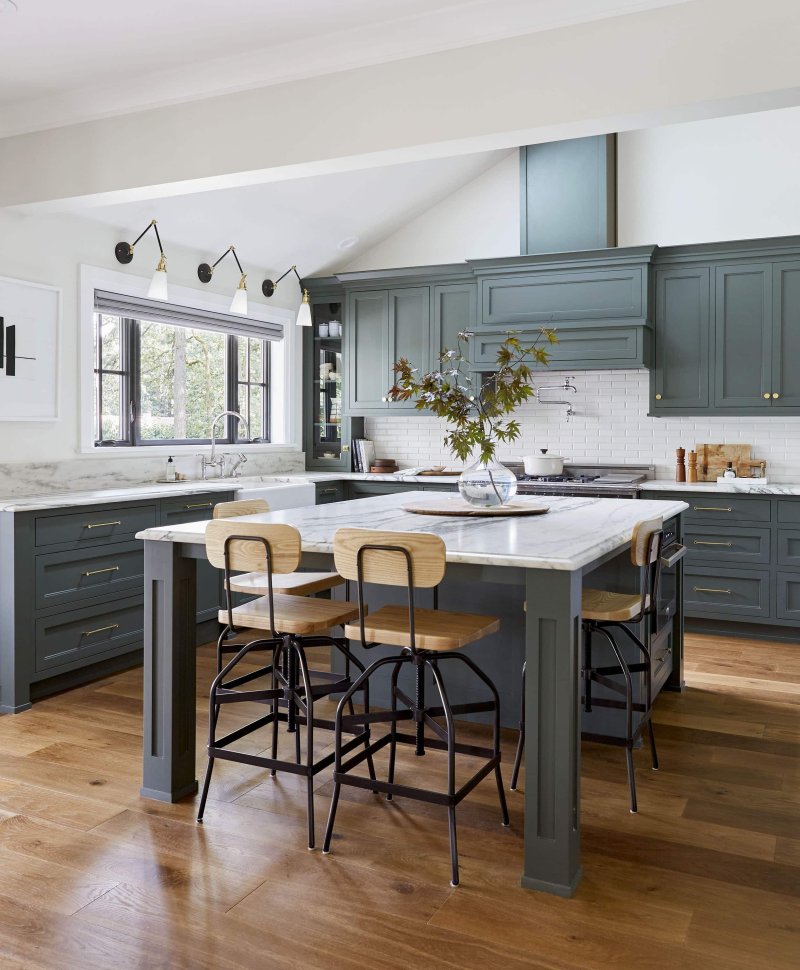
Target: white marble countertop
574, 533
740, 488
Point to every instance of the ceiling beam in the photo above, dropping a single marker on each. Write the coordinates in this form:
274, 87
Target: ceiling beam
695, 60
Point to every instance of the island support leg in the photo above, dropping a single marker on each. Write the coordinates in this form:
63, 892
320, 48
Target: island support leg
552, 741
169, 672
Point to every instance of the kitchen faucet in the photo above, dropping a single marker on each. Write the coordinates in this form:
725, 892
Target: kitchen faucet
213, 461
566, 386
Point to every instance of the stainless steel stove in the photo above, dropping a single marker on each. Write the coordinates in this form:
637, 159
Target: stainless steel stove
597, 481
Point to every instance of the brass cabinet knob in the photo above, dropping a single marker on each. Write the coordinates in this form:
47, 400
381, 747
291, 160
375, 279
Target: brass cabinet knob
766, 397
775, 394
658, 397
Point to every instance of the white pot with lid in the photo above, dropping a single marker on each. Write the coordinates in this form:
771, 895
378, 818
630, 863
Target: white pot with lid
543, 464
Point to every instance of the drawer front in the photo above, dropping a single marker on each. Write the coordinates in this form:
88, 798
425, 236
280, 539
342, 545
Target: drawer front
789, 547
789, 596
93, 525
88, 633
708, 545
789, 511
593, 347
191, 508
333, 492
661, 659
723, 509
726, 592
67, 577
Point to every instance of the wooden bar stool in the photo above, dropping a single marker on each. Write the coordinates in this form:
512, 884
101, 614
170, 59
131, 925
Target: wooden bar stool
293, 624
426, 638
603, 611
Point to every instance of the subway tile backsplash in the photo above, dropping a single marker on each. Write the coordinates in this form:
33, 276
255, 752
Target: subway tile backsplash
610, 424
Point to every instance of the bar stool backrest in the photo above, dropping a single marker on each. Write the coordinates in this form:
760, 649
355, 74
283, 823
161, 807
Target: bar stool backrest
646, 544
414, 559
229, 510
252, 547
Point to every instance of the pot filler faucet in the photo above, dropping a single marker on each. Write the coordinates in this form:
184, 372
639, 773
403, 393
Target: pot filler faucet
566, 386
213, 461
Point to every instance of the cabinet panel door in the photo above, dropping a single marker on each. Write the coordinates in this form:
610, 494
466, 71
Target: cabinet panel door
683, 329
743, 331
409, 334
455, 308
367, 339
786, 335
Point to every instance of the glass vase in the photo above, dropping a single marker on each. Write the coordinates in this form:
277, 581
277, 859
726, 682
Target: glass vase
487, 485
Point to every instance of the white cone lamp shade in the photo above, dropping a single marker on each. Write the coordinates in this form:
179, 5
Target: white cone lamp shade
239, 301
158, 285
304, 313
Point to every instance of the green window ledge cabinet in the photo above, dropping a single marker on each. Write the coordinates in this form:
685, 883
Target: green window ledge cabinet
727, 329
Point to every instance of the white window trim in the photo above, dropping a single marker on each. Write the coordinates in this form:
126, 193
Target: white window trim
285, 363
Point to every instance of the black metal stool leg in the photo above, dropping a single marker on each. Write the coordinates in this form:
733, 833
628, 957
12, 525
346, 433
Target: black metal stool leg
419, 704
451, 770
521, 737
326, 842
309, 701
393, 729
653, 752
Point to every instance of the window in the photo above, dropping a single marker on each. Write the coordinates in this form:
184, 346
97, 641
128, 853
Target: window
158, 382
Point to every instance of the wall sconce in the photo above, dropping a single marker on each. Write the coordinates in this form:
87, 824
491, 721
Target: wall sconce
304, 313
158, 285
239, 301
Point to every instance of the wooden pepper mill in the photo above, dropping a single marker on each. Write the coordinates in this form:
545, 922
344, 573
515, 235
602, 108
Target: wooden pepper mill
691, 475
680, 466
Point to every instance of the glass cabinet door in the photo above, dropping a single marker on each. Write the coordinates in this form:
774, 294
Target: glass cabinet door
327, 377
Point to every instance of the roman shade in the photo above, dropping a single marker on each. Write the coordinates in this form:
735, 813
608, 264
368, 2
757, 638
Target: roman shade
140, 308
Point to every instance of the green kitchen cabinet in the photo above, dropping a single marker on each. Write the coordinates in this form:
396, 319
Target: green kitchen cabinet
595, 348
785, 379
682, 374
367, 350
409, 322
455, 310
743, 328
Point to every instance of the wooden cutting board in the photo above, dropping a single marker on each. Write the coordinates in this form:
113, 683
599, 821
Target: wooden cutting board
712, 460
438, 506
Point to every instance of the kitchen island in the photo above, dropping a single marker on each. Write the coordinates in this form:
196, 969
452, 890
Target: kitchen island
544, 558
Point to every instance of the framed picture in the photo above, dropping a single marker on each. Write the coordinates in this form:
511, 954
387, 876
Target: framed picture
29, 316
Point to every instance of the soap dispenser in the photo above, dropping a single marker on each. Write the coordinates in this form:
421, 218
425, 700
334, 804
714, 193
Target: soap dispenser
171, 476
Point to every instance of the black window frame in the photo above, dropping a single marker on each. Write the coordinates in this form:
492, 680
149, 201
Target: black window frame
130, 391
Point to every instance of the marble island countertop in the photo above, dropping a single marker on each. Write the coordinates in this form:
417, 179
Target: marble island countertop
574, 533
742, 487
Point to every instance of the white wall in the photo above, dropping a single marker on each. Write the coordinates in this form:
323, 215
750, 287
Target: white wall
728, 178
610, 425
50, 249
480, 219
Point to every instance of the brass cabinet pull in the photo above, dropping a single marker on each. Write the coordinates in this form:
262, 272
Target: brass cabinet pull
100, 629
766, 396
711, 508
708, 542
327, 491
96, 572
775, 394
658, 397
704, 589
199, 505
100, 525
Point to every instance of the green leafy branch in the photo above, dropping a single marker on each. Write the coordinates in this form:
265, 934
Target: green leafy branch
476, 412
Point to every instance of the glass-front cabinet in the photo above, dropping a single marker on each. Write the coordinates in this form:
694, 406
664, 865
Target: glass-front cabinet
327, 430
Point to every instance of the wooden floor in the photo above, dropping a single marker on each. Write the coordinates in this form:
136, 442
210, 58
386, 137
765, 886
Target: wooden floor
706, 875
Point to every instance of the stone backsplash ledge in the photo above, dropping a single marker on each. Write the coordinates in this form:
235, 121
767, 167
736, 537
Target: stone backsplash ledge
86, 474
610, 425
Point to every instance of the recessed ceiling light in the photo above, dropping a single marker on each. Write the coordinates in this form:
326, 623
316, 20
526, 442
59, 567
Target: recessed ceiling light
8, 6
348, 242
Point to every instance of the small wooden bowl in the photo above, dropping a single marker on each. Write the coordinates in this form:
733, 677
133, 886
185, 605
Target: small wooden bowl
382, 469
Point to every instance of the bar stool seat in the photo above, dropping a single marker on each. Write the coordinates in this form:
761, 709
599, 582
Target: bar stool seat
292, 614
436, 630
605, 605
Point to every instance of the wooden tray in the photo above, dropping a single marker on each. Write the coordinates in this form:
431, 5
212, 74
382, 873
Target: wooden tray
438, 474
438, 506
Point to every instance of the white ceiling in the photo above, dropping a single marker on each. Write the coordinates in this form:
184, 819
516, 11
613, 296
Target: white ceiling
300, 221
65, 61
